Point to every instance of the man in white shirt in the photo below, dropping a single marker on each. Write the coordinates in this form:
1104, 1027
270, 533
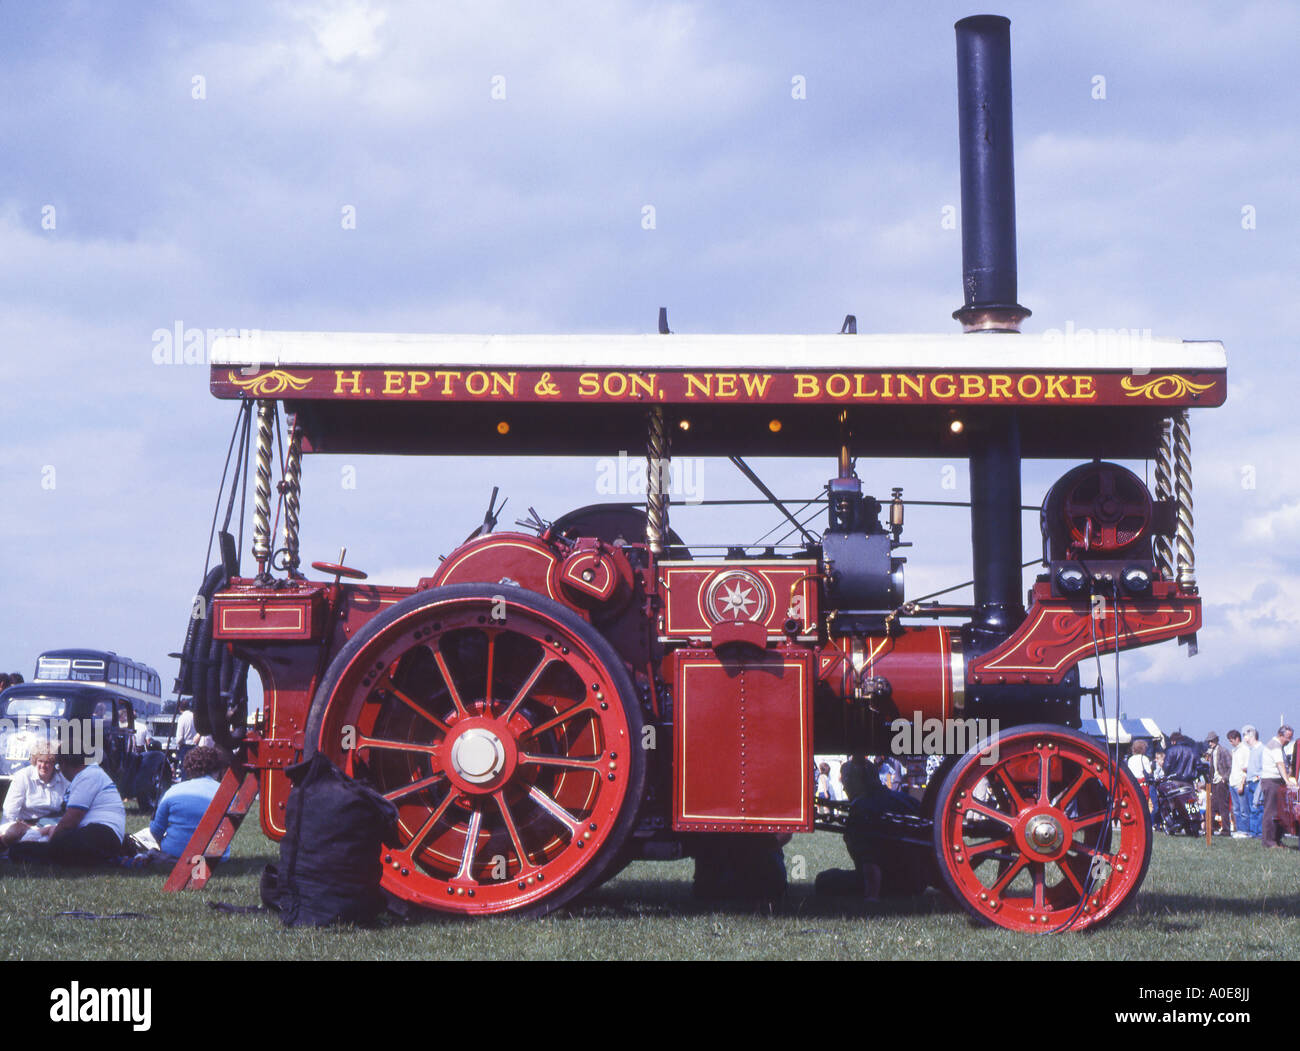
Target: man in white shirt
35, 795
187, 736
1237, 786
1272, 777
93, 824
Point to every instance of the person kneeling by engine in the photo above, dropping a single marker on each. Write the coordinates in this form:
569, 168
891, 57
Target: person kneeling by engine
883, 866
93, 823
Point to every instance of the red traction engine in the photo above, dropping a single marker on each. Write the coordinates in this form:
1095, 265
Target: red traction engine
553, 703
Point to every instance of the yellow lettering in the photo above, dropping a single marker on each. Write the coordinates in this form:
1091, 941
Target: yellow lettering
419, 380
393, 382
643, 385
972, 386
615, 384
949, 386
1024, 393
918, 388
1083, 387
446, 378
476, 383
353, 381
837, 385
727, 385
504, 383
806, 386
755, 386
889, 393
999, 386
694, 383
1056, 387
859, 387
588, 385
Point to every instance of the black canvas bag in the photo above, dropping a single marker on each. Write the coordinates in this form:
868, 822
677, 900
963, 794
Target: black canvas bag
330, 863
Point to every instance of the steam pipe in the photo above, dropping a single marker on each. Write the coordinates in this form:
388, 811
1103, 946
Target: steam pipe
988, 237
988, 182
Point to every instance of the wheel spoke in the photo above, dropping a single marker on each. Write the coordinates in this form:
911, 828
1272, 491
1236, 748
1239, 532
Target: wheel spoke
524, 690
555, 810
984, 848
471, 847
396, 746
413, 847
1039, 872
1090, 820
1004, 779
1044, 777
388, 686
441, 661
524, 862
1005, 879
415, 786
554, 721
562, 760
1067, 870
1066, 797
987, 811
487, 679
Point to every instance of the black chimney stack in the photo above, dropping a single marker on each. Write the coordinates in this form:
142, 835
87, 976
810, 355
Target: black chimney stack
988, 181
988, 240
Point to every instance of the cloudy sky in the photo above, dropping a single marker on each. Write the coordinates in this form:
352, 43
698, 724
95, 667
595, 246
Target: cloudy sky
192, 165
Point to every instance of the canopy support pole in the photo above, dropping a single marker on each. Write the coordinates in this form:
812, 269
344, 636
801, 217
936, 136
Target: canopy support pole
291, 486
658, 461
1164, 551
262, 489
1182, 451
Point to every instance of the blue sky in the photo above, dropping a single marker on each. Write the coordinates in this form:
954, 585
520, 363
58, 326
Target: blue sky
523, 214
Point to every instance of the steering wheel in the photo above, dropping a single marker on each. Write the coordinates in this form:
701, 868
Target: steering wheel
1106, 509
335, 569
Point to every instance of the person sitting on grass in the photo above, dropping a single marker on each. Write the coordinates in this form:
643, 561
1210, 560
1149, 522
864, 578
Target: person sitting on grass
92, 826
35, 798
182, 806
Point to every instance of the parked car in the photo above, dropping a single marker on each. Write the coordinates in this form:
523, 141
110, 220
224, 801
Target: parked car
69, 714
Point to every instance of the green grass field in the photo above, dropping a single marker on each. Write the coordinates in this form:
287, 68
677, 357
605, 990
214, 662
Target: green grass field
1230, 901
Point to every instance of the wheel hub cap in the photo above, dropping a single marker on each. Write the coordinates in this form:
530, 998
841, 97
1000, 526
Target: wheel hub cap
478, 755
1044, 834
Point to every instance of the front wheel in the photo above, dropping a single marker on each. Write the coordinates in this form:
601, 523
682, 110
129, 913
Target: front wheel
508, 733
1036, 830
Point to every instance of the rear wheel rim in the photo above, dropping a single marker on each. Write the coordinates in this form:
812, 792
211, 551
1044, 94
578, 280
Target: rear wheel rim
503, 740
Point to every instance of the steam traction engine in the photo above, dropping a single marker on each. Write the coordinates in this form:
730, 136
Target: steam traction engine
552, 703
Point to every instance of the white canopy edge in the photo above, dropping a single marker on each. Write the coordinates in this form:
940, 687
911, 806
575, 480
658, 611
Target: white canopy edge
1121, 731
1131, 350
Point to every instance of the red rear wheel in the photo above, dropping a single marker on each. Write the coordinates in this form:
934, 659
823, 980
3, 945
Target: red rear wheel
1028, 836
507, 732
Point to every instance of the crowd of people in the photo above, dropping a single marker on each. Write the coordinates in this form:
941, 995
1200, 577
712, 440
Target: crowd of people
1248, 778
64, 810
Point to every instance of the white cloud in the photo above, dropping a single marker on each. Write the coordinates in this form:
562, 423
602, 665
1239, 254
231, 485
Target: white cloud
345, 31
1280, 525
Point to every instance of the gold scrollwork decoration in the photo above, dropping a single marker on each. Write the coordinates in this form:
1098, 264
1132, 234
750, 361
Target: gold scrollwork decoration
1163, 388
269, 384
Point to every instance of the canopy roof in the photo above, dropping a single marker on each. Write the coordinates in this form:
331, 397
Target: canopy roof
747, 394
1122, 731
